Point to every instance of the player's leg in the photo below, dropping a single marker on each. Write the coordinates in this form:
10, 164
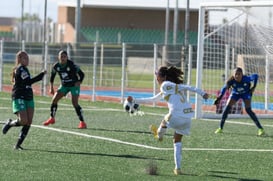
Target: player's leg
160, 131
26, 124
75, 101
177, 144
253, 116
18, 108
54, 105
231, 101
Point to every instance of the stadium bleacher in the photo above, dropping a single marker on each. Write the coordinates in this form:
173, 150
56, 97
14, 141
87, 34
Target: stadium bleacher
126, 35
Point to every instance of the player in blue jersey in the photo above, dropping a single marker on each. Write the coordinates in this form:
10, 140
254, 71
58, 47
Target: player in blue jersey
242, 87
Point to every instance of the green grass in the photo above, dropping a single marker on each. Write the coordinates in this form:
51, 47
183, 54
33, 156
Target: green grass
94, 155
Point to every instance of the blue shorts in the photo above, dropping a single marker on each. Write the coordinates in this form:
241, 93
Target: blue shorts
246, 96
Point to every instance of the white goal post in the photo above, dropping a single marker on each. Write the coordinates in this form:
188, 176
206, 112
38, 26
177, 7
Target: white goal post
233, 34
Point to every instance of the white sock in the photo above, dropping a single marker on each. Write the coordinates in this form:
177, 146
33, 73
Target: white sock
177, 154
161, 131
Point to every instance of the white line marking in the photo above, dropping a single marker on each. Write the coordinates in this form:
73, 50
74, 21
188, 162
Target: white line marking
101, 138
149, 147
140, 145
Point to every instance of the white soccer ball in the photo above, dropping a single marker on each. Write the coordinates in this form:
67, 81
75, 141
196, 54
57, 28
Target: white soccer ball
130, 107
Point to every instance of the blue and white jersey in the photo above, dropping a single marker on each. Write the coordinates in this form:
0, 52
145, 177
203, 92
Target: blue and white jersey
243, 87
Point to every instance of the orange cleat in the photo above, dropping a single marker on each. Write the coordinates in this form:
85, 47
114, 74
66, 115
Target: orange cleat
51, 120
82, 125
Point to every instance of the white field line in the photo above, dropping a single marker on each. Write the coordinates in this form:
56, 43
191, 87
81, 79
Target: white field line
140, 145
100, 138
146, 146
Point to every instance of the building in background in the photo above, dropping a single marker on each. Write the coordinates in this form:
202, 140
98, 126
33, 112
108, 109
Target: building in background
115, 22
7, 28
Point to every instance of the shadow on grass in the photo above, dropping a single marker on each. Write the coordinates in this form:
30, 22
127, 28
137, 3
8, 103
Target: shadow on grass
122, 131
92, 154
222, 175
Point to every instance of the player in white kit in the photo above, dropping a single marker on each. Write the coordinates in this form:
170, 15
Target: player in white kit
172, 90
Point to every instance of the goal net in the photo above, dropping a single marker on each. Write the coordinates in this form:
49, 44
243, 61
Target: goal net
235, 34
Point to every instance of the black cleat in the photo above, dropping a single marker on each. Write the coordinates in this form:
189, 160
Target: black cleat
6, 126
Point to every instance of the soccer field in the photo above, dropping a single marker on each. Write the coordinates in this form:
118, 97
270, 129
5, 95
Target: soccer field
116, 146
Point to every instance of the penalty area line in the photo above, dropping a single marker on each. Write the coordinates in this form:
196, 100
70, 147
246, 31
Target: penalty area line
146, 146
101, 138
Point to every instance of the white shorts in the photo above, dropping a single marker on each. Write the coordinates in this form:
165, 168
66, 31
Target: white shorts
181, 125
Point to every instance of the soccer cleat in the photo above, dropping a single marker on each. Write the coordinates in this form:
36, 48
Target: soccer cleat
219, 130
177, 171
82, 125
261, 132
153, 129
6, 126
51, 120
18, 147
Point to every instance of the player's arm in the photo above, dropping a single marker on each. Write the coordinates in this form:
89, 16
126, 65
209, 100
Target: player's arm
254, 78
25, 77
37, 77
222, 92
155, 98
80, 75
182, 87
51, 81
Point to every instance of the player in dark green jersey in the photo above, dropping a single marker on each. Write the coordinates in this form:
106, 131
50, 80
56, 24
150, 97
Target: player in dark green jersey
22, 97
71, 77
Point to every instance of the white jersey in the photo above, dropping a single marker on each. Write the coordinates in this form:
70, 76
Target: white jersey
176, 100
180, 111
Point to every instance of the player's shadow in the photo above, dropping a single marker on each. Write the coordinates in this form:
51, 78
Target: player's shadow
91, 154
232, 175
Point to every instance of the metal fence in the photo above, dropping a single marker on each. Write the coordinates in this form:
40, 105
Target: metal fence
111, 70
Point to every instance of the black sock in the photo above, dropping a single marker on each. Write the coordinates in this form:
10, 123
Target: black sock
224, 116
254, 117
15, 123
53, 110
23, 134
78, 110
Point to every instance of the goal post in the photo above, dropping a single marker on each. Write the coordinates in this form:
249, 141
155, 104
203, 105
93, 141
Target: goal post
230, 35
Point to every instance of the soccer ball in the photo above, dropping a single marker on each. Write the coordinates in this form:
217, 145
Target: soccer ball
130, 106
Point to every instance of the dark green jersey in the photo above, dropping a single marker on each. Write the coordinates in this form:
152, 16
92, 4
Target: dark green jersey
22, 83
69, 73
